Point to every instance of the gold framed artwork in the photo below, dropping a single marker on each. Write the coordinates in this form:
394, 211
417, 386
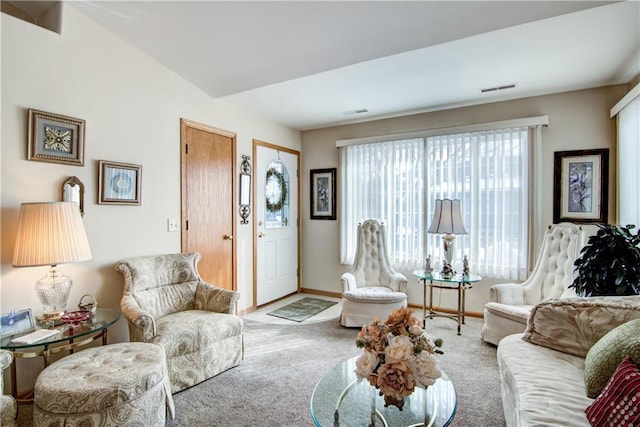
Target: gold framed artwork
55, 138
119, 183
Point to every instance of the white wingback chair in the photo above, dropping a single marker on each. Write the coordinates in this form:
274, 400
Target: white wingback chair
372, 288
510, 304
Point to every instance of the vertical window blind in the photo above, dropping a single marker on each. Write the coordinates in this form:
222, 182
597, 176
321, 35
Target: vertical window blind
398, 182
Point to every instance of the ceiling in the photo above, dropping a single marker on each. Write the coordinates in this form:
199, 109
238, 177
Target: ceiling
313, 64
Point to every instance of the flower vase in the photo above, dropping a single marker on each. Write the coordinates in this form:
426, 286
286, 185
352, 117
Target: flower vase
390, 400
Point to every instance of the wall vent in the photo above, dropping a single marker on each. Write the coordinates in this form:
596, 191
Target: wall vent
495, 88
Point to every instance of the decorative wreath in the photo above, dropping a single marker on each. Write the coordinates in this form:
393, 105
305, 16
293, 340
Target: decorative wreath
276, 205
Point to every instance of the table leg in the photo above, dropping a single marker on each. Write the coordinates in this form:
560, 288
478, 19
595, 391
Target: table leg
459, 306
104, 337
430, 300
464, 299
424, 303
14, 377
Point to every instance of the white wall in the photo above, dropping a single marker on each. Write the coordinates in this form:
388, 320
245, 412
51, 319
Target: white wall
132, 106
577, 120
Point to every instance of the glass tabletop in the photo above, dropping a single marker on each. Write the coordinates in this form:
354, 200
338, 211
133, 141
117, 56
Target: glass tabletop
102, 319
339, 399
458, 278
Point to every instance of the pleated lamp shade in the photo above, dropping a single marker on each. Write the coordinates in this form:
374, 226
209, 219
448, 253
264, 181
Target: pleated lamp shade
50, 234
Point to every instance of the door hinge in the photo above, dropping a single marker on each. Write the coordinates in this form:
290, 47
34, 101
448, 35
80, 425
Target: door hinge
298, 222
297, 272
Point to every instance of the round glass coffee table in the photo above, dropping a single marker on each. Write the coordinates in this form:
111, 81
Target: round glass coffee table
339, 399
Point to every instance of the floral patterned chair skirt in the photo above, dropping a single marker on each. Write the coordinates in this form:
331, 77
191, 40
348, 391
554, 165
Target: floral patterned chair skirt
124, 384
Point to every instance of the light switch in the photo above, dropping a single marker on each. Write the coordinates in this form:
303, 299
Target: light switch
172, 224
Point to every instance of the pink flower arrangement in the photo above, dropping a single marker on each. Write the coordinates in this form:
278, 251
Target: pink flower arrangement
397, 356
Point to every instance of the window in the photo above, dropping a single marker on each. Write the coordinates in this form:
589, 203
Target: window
277, 195
398, 181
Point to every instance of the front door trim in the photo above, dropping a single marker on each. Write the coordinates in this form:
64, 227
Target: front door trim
256, 143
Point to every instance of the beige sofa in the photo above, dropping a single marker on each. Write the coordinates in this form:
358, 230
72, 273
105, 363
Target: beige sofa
166, 302
542, 370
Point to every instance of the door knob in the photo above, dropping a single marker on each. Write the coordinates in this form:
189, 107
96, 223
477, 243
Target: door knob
261, 234
228, 237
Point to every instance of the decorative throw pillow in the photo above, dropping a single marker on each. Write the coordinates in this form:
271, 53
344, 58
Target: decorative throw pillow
606, 354
574, 325
619, 403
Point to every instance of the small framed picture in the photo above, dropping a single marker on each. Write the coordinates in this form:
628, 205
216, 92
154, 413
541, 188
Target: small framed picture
323, 193
119, 183
55, 138
17, 322
580, 186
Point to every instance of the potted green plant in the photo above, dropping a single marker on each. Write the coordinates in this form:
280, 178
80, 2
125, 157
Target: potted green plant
610, 263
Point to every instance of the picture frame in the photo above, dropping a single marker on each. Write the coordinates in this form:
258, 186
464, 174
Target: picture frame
55, 138
323, 193
119, 183
580, 186
17, 322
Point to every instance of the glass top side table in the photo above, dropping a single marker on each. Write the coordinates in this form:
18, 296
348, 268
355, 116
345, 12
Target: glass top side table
457, 282
69, 338
339, 399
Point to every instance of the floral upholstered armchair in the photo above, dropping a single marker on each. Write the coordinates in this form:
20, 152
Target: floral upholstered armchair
166, 302
8, 409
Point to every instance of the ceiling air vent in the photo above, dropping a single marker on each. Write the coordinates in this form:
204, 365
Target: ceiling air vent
495, 88
352, 112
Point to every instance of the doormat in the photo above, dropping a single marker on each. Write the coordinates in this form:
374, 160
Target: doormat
302, 309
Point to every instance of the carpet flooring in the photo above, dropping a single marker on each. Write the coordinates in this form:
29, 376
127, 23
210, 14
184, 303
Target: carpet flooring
283, 363
302, 309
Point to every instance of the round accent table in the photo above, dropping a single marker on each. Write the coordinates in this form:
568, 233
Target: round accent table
69, 338
458, 282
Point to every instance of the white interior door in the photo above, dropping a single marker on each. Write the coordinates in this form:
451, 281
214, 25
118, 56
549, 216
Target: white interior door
276, 179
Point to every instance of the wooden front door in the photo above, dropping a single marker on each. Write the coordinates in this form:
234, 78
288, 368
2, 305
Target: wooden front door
208, 200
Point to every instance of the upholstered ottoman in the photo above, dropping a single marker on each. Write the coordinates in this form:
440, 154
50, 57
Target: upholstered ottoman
122, 384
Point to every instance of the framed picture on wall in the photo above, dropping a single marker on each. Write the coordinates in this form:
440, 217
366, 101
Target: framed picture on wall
323, 193
55, 138
580, 186
119, 183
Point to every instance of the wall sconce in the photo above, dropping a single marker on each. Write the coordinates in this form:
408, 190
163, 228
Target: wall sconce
245, 189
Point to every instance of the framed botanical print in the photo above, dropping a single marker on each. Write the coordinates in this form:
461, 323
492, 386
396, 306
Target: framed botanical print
580, 186
55, 138
120, 183
323, 193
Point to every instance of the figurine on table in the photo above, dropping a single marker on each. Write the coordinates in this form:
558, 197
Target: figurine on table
447, 271
427, 265
465, 266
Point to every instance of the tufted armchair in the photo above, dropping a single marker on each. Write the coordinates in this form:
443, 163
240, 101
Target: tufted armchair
510, 304
372, 288
166, 302
8, 409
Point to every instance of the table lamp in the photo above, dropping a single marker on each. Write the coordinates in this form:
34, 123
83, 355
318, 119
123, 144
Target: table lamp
51, 234
447, 220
